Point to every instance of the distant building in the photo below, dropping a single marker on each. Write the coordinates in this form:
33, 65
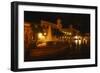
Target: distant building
66, 32
48, 31
70, 30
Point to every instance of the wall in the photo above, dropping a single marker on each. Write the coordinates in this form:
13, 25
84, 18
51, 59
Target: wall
5, 17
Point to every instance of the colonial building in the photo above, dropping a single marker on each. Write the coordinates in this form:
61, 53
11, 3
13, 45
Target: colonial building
52, 32
62, 33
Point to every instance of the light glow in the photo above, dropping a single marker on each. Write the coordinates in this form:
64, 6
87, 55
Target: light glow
41, 36
76, 37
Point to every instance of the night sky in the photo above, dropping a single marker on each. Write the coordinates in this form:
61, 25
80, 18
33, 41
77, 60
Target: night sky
79, 21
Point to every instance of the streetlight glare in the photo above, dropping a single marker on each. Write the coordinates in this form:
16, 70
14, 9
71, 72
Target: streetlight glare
76, 37
41, 36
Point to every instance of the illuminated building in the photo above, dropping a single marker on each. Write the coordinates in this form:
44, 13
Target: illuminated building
47, 28
67, 32
54, 32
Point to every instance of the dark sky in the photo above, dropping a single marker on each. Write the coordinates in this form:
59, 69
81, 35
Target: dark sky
79, 21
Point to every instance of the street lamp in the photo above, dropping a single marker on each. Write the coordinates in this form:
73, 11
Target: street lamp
41, 36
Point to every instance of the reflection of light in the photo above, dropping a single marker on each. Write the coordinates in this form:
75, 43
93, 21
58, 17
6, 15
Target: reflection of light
85, 41
76, 41
79, 42
41, 44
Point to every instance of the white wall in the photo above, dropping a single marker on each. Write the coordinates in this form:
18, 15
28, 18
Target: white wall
5, 49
